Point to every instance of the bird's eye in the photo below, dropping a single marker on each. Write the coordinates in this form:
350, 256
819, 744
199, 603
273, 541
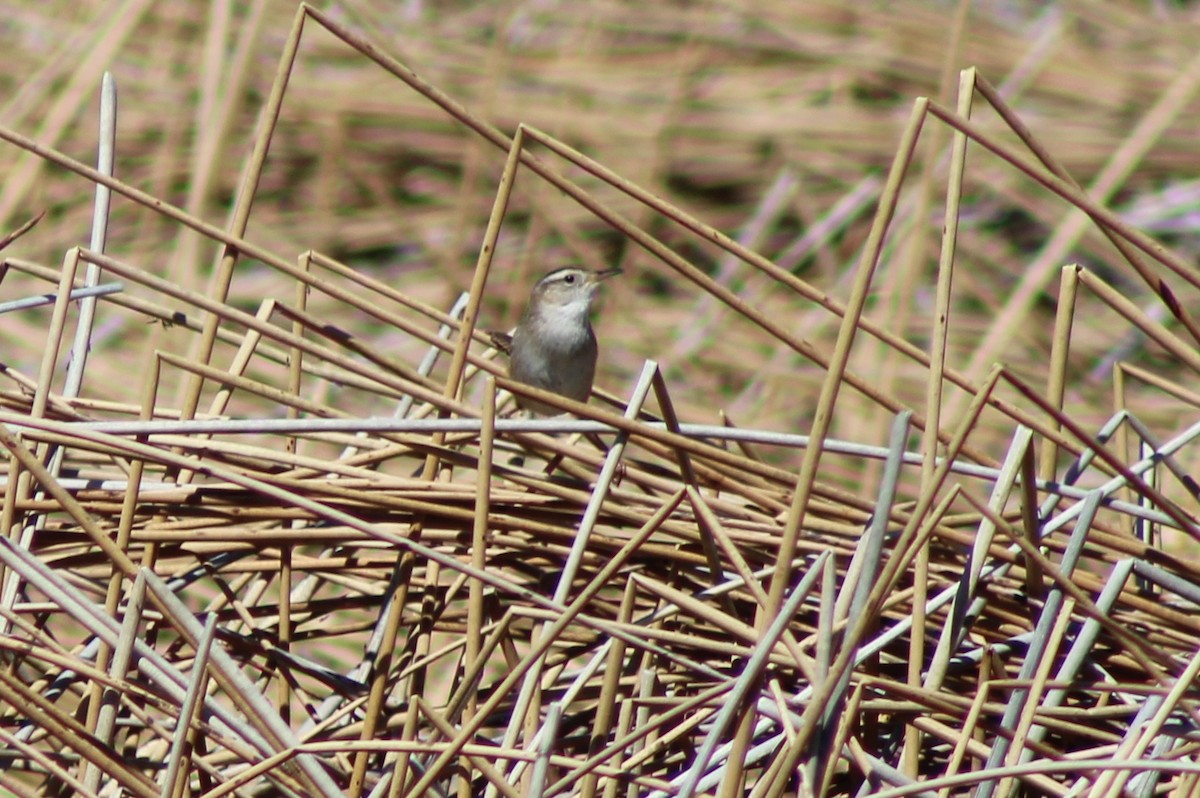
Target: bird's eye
569, 279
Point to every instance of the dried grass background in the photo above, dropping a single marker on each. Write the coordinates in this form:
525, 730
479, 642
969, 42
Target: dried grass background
766, 124
774, 122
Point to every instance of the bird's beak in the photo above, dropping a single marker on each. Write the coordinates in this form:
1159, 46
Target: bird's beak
599, 277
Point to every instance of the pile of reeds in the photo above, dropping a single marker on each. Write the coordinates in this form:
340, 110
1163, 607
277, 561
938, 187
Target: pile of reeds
279, 531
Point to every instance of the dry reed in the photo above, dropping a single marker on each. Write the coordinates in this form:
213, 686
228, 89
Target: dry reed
271, 527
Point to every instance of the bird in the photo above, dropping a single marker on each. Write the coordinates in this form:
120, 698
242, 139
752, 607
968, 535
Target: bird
553, 346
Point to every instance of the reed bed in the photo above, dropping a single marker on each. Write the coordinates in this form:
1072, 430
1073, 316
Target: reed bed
879, 511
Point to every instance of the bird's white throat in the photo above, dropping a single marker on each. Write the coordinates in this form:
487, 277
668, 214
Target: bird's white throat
564, 325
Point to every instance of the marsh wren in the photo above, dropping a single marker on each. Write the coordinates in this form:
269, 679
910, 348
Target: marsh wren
553, 346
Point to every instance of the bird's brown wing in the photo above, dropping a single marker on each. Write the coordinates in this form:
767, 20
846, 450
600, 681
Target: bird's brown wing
501, 340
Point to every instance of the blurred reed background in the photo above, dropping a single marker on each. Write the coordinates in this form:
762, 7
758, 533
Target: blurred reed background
774, 122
